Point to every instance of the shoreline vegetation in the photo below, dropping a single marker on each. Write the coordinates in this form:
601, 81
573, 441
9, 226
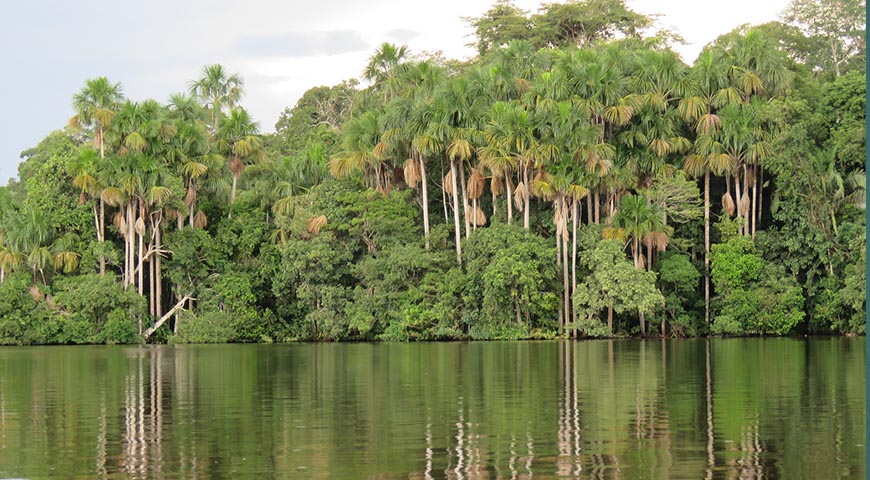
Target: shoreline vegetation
575, 179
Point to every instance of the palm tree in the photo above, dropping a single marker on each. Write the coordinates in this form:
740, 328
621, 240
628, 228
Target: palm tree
239, 141
189, 153
95, 105
29, 240
359, 138
218, 88
638, 221
384, 69
709, 92
510, 134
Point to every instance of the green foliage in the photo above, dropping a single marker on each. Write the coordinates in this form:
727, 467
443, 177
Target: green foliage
754, 297
558, 25
613, 282
512, 277
316, 232
678, 281
106, 312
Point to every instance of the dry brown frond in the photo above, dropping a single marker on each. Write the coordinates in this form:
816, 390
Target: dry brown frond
476, 184
315, 224
200, 220
519, 196
448, 185
412, 172
728, 204
496, 186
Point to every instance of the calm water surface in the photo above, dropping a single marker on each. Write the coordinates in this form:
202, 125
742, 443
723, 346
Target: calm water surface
694, 409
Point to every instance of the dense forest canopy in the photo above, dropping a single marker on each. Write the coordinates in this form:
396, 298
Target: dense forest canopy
576, 178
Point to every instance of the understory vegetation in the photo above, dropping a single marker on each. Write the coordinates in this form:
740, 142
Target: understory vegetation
574, 179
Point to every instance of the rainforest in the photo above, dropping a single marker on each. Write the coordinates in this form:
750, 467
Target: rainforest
574, 179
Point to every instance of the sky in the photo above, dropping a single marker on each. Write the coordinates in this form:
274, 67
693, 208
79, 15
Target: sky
280, 47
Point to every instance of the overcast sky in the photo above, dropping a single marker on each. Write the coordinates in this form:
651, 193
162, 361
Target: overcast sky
280, 47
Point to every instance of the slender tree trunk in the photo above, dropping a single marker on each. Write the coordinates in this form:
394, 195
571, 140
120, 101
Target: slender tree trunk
444, 197
233, 195
589, 209
597, 206
425, 201
101, 234
158, 270
737, 196
567, 289
707, 245
510, 198
760, 191
727, 190
494, 210
574, 214
649, 255
558, 237
130, 241
177, 319
474, 212
464, 198
190, 213
754, 199
456, 227
141, 250
635, 247
152, 307
610, 320
746, 192
526, 192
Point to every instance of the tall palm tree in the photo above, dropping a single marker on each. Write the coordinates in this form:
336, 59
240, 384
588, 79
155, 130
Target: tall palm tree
708, 93
95, 106
510, 133
239, 141
385, 67
359, 138
638, 221
218, 89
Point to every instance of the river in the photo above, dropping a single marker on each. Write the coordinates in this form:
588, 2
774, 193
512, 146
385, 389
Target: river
776, 408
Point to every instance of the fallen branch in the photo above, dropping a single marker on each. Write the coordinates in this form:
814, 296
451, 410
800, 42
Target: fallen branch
164, 318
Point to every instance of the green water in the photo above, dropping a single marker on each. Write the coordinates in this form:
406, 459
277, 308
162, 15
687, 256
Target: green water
694, 409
